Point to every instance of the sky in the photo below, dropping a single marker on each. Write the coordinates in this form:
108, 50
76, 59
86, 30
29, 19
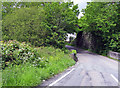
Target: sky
81, 5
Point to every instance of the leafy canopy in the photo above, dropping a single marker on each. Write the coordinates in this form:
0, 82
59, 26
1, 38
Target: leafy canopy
102, 18
41, 25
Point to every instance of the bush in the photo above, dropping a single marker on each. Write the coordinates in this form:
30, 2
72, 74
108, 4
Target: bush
15, 53
74, 51
28, 27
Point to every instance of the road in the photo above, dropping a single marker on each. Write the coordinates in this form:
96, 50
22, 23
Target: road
90, 70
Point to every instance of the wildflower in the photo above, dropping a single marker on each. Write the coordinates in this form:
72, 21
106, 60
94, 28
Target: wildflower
39, 58
29, 53
1, 41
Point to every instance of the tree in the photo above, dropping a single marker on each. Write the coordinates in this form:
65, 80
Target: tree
26, 24
9, 7
46, 25
61, 19
101, 18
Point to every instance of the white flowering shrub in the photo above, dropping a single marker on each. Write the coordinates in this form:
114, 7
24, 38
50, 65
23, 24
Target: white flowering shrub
15, 53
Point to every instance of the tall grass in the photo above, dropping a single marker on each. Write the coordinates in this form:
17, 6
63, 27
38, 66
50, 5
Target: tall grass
28, 75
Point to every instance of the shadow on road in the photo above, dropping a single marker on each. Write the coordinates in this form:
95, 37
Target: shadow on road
81, 51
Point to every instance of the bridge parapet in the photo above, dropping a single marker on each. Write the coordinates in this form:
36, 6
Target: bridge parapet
113, 54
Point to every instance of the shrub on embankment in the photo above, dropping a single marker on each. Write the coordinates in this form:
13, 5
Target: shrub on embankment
24, 65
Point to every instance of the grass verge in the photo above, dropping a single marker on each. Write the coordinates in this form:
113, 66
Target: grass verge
27, 74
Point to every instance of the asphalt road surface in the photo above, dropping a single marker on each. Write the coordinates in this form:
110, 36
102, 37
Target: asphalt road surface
90, 70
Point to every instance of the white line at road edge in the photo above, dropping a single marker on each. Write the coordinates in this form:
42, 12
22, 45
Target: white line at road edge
61, 77
115, 79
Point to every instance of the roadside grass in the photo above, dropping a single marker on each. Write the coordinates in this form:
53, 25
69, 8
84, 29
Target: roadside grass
0, 78
113, 58
21, 75
29, 75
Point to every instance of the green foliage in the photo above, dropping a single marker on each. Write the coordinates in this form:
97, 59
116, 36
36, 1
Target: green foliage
53, 61
41, 25
15, 53
61, 20
28, 75
102, 19
74, 51
9, 7
28, 27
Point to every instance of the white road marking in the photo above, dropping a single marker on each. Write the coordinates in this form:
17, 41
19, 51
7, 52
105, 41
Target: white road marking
61, 77
115, 79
